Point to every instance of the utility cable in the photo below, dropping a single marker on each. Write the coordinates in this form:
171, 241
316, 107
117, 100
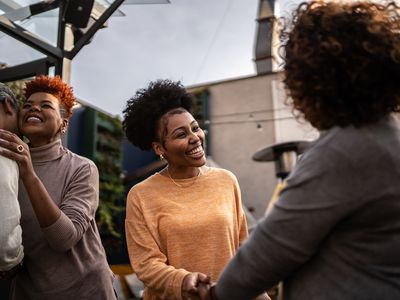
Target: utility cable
228, 6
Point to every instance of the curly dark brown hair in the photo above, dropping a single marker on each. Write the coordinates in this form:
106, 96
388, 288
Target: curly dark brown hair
342, 62
55, 86
144, 110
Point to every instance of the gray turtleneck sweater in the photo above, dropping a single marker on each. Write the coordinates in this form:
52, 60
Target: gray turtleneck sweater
65, 260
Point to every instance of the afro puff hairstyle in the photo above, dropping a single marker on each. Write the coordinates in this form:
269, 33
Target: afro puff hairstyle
54, 86
145, 109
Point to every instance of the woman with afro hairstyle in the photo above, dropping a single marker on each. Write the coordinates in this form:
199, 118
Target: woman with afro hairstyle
334, 232
64, 257
184, 223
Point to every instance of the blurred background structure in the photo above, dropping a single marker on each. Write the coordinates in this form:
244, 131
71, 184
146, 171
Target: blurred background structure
52, 32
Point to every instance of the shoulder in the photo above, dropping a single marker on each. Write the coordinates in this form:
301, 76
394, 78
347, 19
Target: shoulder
9, 167
79, 167
147, 193
8, 163
351, 155
78, 161
220, 174
150, 182
155, 181
356, 146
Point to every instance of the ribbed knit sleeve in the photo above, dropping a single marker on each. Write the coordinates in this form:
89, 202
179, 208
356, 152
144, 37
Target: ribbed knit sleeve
78, 208
147, 260
241, 217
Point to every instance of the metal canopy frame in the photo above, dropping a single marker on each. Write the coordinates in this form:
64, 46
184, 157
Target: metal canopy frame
30, 69
56, 56
85, 38
30, 39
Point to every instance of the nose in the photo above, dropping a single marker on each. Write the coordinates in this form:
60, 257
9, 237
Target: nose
35, 107
194, 137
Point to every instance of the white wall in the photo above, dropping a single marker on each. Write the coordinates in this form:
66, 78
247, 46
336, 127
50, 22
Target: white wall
286, 127
246, 115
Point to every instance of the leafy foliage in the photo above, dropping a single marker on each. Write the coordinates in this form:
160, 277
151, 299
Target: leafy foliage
108, 160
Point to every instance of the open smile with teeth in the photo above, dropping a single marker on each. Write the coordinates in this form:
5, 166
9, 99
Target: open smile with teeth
33, 119
196, 152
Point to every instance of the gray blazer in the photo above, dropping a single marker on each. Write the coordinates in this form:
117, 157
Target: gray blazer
334, 233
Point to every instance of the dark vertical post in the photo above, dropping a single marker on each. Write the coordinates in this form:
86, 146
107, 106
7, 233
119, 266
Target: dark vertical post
60, 38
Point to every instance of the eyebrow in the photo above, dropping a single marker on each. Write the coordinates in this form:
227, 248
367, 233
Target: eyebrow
41, 101
182, 127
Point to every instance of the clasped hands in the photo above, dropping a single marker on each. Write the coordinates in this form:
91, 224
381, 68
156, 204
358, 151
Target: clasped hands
198, 286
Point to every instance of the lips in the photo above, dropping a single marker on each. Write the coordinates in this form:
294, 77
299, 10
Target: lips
33, 119
196, 152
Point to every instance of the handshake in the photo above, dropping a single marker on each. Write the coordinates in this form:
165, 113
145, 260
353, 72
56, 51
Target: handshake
198, 286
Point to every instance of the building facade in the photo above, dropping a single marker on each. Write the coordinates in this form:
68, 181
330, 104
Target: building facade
244, 115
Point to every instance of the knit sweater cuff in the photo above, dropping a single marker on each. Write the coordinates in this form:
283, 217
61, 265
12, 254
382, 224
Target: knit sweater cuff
59, 233
177, 283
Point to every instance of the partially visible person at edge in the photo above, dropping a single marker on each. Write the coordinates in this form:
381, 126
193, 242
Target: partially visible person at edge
185, 222
64, 257
334, 232
11, 249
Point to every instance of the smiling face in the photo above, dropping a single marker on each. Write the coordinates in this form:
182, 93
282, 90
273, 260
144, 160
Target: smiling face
40, 119
182, 140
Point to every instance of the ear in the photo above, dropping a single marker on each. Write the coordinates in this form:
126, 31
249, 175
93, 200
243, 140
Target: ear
65, 123
64, 126
158, 148
8, 107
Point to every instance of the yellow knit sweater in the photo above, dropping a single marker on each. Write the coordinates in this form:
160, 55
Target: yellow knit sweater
172, 231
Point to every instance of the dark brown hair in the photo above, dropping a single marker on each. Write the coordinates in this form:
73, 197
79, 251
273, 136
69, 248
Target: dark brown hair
342, 62
144, 110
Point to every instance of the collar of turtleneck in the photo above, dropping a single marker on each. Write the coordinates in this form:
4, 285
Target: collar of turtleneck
49, 152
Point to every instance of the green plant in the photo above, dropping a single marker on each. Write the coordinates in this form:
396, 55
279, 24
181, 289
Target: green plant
108, 160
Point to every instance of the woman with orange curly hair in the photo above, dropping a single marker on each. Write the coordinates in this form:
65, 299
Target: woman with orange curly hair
334, 232
64, 257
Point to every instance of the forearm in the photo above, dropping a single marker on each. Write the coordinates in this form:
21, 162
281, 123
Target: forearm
259, 264
149, 263
46, 211
162, 279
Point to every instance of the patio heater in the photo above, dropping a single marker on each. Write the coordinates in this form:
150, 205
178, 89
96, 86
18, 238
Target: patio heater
284, 155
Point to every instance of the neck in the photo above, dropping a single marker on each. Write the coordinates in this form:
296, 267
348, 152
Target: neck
180, 184
38, 142
177, 173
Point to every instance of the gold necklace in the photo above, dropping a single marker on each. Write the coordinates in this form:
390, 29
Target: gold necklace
183, 186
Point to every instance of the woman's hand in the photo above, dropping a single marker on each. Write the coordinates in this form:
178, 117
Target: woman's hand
191, 283
205, 291
12, 147
263, 296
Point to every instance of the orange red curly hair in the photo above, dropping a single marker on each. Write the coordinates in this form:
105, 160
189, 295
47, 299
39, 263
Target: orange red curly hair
55, 86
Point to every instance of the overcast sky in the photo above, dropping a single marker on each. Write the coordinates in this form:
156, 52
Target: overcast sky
194, 41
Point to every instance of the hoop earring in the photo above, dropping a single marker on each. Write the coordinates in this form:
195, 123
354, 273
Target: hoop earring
63, 131
161, 157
